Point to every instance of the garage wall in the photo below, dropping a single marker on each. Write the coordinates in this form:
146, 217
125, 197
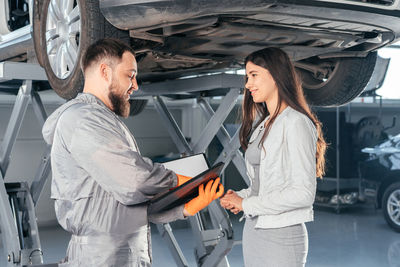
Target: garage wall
356, 111
350, 150
150, 133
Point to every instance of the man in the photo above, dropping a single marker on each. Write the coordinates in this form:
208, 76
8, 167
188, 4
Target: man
101, 183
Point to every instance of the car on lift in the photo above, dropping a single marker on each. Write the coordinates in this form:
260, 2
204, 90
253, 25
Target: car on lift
333, 43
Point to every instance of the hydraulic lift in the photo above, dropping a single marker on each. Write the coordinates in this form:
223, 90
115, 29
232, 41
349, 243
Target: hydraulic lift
19, 231
212, 245
214, 236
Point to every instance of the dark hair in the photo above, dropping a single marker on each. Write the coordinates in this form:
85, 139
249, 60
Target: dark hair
277, 62
108, 48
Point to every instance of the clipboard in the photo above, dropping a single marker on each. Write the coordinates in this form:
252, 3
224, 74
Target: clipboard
187, 191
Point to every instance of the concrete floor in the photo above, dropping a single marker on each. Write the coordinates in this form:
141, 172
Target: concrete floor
355, 237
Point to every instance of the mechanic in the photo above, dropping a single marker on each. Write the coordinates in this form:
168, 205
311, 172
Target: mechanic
101, 183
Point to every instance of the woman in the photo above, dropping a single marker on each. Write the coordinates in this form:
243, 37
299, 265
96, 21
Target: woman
284, 155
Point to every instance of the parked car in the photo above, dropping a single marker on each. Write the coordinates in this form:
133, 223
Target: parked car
333, 43
369, 165
381, 172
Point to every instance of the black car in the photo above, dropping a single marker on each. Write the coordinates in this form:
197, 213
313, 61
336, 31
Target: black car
369, 165
381, 175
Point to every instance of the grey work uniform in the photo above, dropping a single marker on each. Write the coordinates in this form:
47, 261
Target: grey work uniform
280, 247
101, 183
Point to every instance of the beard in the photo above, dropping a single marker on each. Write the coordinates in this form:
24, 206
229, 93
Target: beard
120, 105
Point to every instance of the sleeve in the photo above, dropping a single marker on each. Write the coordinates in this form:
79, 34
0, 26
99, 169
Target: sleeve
299, 190
244, 193
104, 153
167, 216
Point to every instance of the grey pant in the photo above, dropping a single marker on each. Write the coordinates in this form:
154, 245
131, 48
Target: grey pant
274, 247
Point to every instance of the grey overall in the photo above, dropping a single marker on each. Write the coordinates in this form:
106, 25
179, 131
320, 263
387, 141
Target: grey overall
101, 185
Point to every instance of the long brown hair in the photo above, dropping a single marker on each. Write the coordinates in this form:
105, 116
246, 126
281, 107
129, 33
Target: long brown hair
277, 62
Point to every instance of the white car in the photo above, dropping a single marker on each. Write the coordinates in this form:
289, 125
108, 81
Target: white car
333, 43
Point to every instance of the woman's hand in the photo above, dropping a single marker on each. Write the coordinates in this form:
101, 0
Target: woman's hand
232, 202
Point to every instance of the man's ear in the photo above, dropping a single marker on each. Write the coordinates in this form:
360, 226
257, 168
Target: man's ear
105, 72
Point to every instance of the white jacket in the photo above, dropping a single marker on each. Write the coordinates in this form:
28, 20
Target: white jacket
287, 173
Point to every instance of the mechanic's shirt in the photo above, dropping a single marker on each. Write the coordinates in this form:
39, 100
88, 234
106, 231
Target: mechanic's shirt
101, 185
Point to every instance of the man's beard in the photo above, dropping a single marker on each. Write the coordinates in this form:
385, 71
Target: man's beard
121, 107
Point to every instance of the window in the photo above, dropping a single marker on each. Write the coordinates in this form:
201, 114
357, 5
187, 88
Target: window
391, 85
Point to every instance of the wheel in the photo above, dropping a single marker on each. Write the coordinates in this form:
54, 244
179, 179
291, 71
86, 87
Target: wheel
36, 30
334, 82
391, 206
62, 31
66, 29
137, 106
369, 132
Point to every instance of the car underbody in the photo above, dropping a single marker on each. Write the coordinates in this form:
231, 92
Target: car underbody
326, 39
222, 33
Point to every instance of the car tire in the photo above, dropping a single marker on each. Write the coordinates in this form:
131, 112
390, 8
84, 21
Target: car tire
346, 79
93, 26
36, 30
391, 206
137, 106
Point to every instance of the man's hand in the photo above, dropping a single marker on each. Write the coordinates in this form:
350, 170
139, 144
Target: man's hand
205, 197
182, 179
232, 202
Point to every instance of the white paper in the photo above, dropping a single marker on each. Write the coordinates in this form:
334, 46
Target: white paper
188, 166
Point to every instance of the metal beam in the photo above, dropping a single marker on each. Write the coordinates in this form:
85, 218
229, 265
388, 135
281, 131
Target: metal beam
165, 231
38, 108
216, 121
197, 84
16, 43
220, 220
14, 125
34, 254
226, 141
172, 127
9, 231
197, 227
230, 149
44, 168
21, 71
41, 175
222, 134
24, 218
